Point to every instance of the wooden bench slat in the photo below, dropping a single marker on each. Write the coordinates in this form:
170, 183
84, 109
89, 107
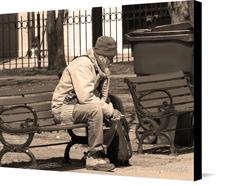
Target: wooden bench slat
173, 92
62, 127
158, 102
157, 77
180, 108
23, 116
49, 121
27, 90
162, 85
26, 100
46, 106
41, 107
44, 114
185, 107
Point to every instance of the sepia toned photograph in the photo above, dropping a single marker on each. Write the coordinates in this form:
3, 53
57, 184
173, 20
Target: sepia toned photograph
102, 90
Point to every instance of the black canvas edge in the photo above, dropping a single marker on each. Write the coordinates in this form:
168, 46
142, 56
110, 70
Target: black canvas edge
197, 90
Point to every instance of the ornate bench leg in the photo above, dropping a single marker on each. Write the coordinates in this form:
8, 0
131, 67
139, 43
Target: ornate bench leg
67, 150
140, 147
24, 150
74, 140
32, 157
2, 152
172, 146
141, 141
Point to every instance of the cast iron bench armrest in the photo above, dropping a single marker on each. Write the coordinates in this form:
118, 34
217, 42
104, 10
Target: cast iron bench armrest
165, 110
157, 90
24, 129
156, 115
34, 128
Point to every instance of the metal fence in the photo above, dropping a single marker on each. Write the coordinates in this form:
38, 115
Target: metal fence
23, 37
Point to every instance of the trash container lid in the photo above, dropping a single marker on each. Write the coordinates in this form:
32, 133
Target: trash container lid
171, 27
181, 31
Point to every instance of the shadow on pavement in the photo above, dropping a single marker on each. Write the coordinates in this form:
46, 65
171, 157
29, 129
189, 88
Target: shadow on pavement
56, 164
165, 150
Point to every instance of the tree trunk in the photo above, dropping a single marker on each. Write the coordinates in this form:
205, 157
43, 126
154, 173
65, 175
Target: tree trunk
60, 62
52, 38
56, 55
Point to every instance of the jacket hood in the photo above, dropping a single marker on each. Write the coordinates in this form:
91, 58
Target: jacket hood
91, 55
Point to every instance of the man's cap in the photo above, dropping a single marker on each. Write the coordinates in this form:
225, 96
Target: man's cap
106, 46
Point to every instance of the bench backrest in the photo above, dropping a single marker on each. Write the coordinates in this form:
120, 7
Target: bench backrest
38, 97
141, 89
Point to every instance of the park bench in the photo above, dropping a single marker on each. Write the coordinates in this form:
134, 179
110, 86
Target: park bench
27, 111
157, 98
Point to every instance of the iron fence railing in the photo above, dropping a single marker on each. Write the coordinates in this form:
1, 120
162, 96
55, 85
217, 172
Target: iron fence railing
23, 37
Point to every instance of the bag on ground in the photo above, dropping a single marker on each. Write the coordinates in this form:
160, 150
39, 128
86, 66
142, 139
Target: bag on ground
119, 151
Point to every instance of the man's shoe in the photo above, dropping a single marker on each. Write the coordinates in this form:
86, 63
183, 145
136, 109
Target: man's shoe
99, 155
98, 164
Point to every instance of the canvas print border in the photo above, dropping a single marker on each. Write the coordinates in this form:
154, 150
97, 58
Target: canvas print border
35, 56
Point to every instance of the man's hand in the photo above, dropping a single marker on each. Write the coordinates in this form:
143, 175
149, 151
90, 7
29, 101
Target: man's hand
116, 115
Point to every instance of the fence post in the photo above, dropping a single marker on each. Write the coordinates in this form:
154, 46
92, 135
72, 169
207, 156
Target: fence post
38, 41
96, 23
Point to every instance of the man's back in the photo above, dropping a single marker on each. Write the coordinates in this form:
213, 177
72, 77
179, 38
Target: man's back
66, 83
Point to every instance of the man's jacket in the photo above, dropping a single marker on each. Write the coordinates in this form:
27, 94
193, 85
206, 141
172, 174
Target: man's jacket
83, 75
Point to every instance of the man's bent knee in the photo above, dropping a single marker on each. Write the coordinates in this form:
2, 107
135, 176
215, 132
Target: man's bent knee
87, 111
